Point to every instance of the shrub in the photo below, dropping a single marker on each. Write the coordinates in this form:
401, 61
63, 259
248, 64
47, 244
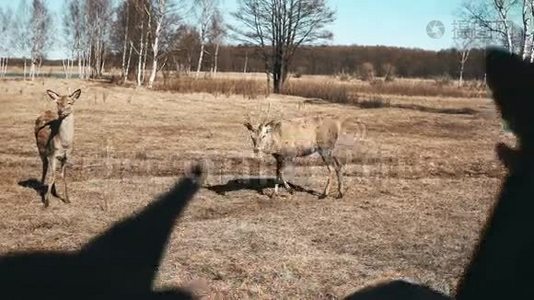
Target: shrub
329, 91
374, 102
389, 72
248, 88
366, 71
343, 76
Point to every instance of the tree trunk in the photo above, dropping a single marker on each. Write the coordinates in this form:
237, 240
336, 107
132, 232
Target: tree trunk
279, 72
140, 58
155, 50
32, 69
128, 62
65, 68
461, 79
200, 57
463, 59
143, 73
125, 44
246, 64
24, 70
216, 59
80, 72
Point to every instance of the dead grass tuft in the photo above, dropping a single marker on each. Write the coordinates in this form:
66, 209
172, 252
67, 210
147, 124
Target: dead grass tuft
328, 91
248, 88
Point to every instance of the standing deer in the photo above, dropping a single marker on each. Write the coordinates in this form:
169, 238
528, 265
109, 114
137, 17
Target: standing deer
54, 134
503, 262
288, 139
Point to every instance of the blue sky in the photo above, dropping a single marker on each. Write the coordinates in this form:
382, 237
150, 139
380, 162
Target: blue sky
364, 22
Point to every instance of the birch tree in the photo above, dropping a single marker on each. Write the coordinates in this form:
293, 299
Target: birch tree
21, 34
159, 11
216, 35
493, 16
73, 31
40, 34
98, 19
465, 40
204, 11
5, 39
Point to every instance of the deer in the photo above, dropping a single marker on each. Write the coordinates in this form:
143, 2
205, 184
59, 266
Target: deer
286, 140
54, 134
502, 263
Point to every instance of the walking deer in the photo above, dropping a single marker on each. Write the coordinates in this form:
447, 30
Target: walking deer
503, 262
54, 134
288, 139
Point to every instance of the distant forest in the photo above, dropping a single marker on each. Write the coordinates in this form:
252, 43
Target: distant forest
334, 60
331, 60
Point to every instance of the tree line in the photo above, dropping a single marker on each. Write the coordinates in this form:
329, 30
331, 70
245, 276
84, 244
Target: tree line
278, 37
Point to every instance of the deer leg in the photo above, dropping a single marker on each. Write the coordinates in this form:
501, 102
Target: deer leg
64, 177
45, 169
327, 159
339, 173
280, 165
51, 180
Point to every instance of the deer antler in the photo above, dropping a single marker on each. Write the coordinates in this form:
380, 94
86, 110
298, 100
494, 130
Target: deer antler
265, 116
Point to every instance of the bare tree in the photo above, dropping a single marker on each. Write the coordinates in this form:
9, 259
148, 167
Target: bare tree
5, 42
205, 10
184, 42
21, 34
74, 31
98, 19
279, 27
493, 16
465, 39
530, 8
216, 35
526, 34
163, 18
40, 34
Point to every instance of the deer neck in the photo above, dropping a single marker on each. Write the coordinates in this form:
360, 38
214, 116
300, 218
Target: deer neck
66, 130
501, 267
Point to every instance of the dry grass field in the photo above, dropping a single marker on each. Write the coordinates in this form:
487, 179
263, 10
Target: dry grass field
419, 187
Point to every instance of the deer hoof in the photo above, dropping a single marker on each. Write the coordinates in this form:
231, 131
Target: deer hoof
323, 196
339, 196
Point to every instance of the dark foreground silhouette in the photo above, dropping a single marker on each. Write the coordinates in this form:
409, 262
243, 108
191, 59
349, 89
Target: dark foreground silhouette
502, 266
119, 264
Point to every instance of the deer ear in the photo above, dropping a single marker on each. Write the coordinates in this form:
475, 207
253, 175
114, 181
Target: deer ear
272, 125
76, 94
53, 95
248, 126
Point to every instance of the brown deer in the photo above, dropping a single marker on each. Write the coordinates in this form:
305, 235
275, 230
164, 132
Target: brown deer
54, 134
503, 262
288, 139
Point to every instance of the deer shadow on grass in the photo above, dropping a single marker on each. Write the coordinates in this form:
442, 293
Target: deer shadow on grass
121, 263
257, 184
38, 187
32, 183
